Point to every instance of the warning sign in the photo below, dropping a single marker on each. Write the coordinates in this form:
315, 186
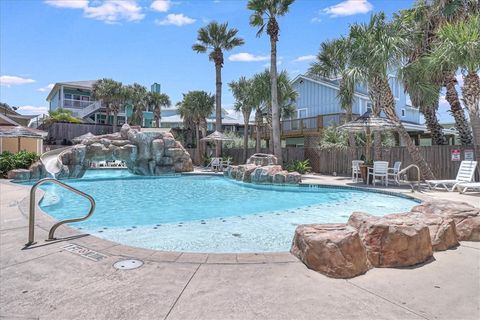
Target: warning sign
456, 155
468, 155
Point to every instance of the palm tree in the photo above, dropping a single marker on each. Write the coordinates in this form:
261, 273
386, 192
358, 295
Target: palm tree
458, 46
265, 14
377, 48
287, 97
243, 93
422, 22
216, 38
333, 61
104, 91
196, 107
158, 100
138, 97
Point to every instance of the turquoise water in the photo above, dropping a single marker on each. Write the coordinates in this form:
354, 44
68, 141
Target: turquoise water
205, 213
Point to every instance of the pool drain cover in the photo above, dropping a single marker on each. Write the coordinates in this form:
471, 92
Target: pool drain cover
128, 264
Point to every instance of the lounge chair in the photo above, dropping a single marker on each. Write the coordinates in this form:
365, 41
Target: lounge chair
356, 169
464, 186
380, 170
465, 173
214, 164
392, 172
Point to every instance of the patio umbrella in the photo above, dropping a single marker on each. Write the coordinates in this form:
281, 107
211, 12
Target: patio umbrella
216, 136
368, 123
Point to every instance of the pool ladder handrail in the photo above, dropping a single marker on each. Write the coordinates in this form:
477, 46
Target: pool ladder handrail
411, 183
31, 215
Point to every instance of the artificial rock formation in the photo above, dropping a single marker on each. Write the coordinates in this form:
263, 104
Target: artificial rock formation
331, 249
393, 240
262, 168
465, 216
145, 153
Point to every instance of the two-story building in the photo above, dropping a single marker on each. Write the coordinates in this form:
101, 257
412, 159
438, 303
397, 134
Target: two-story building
76, 96
318, 106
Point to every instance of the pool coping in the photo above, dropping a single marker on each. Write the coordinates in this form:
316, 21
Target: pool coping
70, 235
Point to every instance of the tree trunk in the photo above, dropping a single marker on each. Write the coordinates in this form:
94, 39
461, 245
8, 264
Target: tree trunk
246, 119
258, 124
388, 103
375, 97
277, 144
115, 120
430, 114
197, 137
456, 110
218, 105
471, 98
157, 116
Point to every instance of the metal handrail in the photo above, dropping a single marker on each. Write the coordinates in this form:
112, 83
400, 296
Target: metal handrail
399, 173
31, 215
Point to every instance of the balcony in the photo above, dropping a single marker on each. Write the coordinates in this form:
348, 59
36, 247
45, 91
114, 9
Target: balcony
307, 126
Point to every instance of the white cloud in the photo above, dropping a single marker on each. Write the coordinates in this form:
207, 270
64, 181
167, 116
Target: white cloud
8, 81
247, 57
32, 110
175, 19
71, 4
114, 10
348, 8
316, 20
109, 11
161, 5
305, 58
46, 88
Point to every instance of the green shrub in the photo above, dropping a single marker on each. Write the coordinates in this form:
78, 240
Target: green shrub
20, 160
301, 167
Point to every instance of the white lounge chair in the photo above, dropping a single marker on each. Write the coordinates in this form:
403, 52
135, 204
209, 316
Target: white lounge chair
465, 173
215, 164
464, 186
380, 170
356, 173
392, 172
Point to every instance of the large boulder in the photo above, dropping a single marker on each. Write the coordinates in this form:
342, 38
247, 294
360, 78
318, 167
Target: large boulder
19, 174
443, 233
265, 174
393, 241
331, 249
262, 159
245, 171
465, 216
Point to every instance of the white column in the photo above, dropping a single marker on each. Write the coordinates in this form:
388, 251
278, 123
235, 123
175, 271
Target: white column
61, 97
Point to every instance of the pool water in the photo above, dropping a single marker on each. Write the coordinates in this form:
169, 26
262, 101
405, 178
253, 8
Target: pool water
206, 213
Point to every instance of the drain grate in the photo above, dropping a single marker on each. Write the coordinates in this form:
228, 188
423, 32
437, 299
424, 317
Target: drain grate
128, 264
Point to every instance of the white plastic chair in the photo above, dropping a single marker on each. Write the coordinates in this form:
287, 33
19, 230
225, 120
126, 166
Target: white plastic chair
215, 164
392, 172
356, 169
466, 173
380, 170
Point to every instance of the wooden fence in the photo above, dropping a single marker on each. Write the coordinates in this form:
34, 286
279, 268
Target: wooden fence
340, 161
289, 154
63, 133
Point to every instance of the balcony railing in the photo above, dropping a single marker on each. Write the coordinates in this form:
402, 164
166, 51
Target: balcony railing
76, 104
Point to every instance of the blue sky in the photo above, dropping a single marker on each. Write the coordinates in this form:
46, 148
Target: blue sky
43, 42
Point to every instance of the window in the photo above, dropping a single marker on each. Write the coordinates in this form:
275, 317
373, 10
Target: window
404, 113
301, 113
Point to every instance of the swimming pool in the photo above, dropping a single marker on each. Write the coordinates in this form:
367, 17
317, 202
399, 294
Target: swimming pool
206, 213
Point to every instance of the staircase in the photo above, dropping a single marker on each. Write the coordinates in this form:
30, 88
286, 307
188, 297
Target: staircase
88, 110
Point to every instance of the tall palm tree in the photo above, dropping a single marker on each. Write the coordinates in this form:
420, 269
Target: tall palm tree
459, 47
103, 90
377, 48
217, 38
158, 100
422, 22
265, 14
196, 107
242, 91
333, 61
138, 98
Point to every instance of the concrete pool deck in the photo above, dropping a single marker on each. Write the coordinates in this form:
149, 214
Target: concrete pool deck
47, 281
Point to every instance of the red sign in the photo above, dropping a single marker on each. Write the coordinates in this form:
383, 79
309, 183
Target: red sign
456, 155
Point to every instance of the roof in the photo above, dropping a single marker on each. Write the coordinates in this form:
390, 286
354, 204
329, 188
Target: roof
85, 84
19, 131
8, 120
